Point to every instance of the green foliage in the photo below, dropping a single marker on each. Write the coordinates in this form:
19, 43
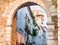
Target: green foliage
34, 32
34, 22
29, 33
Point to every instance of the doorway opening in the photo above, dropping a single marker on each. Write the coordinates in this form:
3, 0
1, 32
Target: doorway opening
30, 25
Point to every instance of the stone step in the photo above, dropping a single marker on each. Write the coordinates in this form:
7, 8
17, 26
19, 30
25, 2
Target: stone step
49, 3
49, 19
50, 30
50, 26
53, 14
53, 9
53, 30
50, 33
52, 42
50, 37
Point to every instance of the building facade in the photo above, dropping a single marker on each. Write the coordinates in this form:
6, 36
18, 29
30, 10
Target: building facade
8, 9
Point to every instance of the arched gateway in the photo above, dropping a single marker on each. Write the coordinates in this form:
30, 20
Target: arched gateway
11, 17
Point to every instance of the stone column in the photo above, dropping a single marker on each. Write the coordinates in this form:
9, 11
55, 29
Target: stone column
58, 9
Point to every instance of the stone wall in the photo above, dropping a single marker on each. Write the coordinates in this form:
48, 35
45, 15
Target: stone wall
8, 9
58, 9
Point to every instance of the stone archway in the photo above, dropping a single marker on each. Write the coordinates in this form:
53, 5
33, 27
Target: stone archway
11, 18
